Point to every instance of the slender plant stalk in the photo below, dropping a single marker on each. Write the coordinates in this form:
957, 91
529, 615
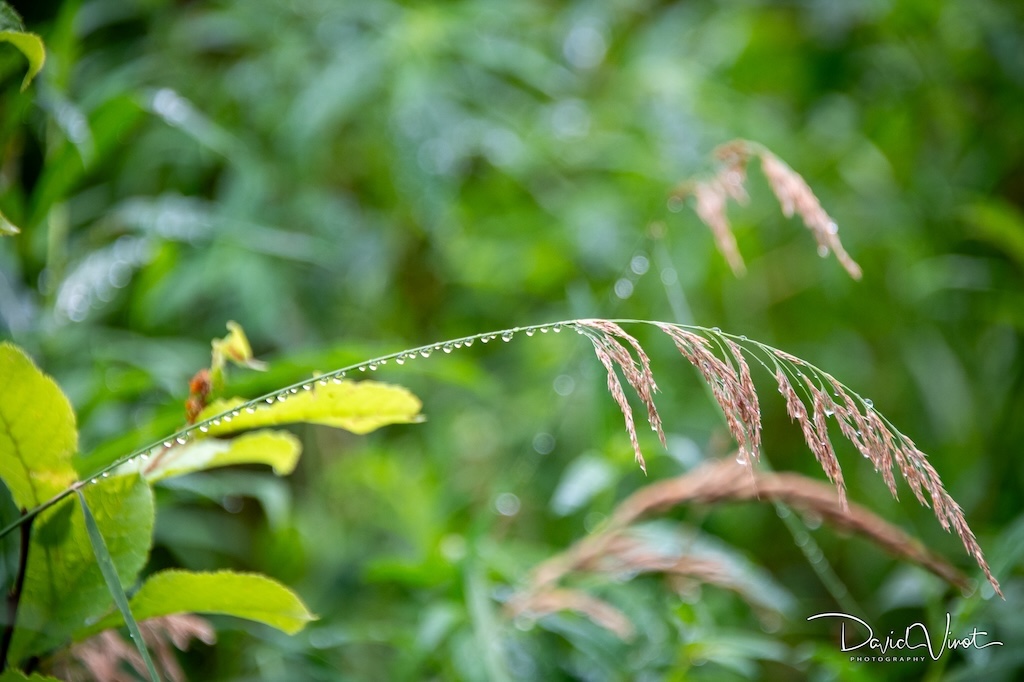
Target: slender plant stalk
812, 397
14, 597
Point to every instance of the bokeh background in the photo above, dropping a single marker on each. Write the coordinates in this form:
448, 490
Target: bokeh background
348, 179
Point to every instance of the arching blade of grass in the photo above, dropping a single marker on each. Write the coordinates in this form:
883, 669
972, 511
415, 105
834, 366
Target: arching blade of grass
106, 564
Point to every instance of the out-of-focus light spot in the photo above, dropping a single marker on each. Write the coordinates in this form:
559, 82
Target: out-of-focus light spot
585, 46
564, 384
544, 443
507, 504
570, 119
639, 264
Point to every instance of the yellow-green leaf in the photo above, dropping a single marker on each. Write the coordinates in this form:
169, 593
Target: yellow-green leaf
356, 406
278, 449
30, 45
37, 431
245, 595
235, 348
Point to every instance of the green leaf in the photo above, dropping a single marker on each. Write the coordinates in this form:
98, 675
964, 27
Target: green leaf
244, 595
37, 431
18, 676
7, 228
356, 406
64, 589
1000, 223
279, 450
109, 571
29, 44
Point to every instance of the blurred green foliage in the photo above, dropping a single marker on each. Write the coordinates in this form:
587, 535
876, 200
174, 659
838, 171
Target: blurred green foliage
350, 179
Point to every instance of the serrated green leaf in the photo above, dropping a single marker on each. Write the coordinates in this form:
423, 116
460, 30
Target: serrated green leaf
37, 431
30, 45
356, 406
64, 589
18, 676
106, 565
244, 595
278, 449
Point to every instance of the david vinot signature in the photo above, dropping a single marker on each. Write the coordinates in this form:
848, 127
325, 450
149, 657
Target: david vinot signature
916, 636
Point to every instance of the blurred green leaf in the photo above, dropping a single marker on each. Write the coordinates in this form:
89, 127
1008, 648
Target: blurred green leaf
232, 348
7, 228
244, 595
64, 588
356, 406
278, 449
37, 431
1000, 223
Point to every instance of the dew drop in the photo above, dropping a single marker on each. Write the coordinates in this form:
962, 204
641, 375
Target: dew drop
168, 443
383, 362
823, 251
530, 331
293, 391
106, 474
373, 366
717, 330
180, 440
95, 481
557, 328
336, 380
447, 348
307, 387
506, 337
424, 353
744, 338
269, 400
281, 398
362, 368
544, 330
469, 342
868, 403
322, 382
216, 422
204, 428
832, 228
400, 360
458, 344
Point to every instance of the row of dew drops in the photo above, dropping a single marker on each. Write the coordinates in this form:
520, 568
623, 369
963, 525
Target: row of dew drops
193, 431
337, 376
